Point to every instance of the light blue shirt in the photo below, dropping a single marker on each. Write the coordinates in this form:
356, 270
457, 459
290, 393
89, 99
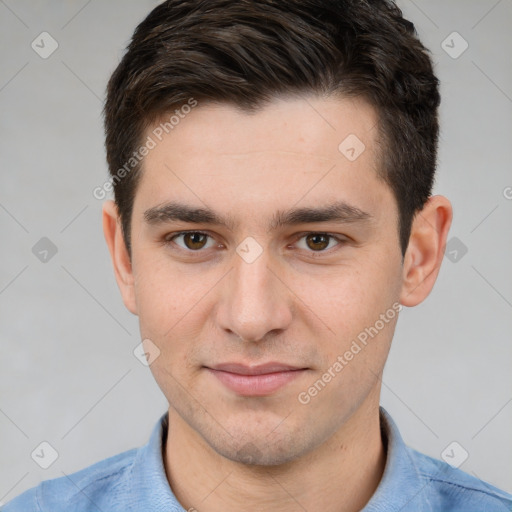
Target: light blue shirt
135, 481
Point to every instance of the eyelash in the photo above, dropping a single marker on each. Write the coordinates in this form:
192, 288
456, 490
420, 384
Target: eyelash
169, 239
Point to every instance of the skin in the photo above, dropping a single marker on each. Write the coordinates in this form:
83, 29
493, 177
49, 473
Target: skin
296, 303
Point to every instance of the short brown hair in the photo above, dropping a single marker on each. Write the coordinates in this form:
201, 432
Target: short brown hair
246, 52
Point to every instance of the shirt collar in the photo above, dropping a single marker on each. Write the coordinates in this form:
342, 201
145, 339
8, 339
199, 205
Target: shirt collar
150, 490
401, 487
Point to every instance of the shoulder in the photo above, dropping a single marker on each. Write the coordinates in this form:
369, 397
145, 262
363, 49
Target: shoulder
103, 484
456, 489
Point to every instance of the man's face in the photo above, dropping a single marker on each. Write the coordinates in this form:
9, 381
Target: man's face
259, 291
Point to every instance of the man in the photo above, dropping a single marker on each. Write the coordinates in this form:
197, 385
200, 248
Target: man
272, 164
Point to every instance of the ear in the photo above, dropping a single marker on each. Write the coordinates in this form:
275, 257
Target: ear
119, 253
425, 251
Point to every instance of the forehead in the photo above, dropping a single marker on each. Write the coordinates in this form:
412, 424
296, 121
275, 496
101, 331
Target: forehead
308, 124
293, 150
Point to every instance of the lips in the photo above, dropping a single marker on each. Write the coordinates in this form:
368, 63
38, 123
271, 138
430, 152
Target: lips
260, 380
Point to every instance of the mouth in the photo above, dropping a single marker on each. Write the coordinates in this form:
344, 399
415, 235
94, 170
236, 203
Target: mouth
260, 380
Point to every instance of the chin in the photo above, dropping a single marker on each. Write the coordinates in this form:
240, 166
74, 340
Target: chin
258, 449
251, 454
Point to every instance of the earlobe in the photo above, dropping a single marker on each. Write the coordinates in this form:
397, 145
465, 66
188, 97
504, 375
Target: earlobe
119, 254
425, 251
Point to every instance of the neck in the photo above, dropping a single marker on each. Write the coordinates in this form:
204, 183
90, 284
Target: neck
340, 475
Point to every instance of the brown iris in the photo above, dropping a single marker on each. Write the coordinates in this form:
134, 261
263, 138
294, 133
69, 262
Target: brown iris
194, 241
319, 241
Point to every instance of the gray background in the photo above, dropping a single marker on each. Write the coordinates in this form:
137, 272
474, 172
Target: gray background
68, 375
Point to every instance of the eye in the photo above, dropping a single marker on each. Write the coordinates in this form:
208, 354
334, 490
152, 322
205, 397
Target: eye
192, 240
318, 242
196, 241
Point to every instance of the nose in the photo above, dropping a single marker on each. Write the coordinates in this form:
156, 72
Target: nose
256, 303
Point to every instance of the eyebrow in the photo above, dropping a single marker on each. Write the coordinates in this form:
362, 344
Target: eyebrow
338, 212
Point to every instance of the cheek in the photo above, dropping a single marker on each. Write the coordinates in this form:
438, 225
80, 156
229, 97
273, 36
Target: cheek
351, 297
361, 308
362, 312
164, 293
170, 315
174, 303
